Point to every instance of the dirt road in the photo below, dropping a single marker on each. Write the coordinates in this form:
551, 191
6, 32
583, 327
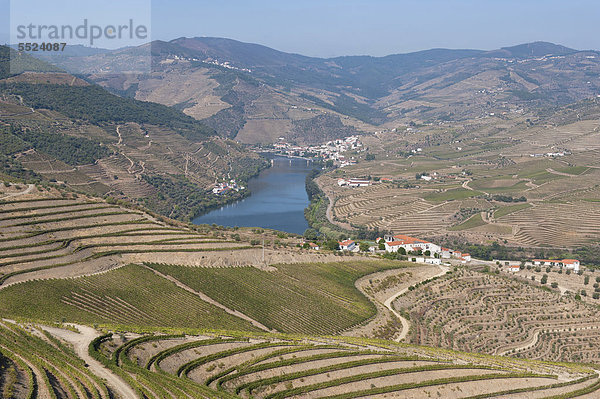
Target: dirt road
29, 188
80, 344
405, 322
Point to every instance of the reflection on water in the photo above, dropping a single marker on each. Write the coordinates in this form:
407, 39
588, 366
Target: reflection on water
277, 202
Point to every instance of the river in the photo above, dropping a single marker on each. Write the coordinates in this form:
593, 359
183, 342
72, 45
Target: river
277, 201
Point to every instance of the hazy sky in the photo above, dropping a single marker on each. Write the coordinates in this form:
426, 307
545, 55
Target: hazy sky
328, 28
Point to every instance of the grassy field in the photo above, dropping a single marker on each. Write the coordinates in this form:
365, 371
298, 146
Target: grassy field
451, 195
506, 210
472, 222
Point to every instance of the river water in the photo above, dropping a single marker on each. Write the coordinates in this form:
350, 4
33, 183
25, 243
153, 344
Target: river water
277, 201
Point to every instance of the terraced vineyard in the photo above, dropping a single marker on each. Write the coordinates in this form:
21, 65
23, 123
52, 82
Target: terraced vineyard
74, 236
487, 313
37, 365
277, 366
573, 224
130, 296
318, 298
496, 168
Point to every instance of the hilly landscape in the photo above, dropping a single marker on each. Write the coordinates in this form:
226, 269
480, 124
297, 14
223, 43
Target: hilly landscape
59, 128
257, 94
107, 290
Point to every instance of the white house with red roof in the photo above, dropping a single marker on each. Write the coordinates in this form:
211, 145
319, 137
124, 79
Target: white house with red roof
394, 243
347, 245
446, 253
572, 264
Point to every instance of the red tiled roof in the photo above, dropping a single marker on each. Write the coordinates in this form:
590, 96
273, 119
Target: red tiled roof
345, 243
409, 240
570, 261
395, 243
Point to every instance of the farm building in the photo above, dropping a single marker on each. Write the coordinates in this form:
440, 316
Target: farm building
347, 245
466, 257
394, 243
566, 263
446, 253
359, 183
433, 261
354, 182
513, 268
314, 246
571, 264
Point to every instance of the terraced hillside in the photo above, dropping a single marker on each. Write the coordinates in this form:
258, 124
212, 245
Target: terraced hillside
277, 366
488, 313
37, 365
93, 262
488, 180
68, 236
58, 128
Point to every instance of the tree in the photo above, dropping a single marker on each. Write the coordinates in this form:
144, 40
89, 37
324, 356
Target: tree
586, 280
402, 251
364, 246
427, 253
596, 295
310, 234
382, 244
544, 279
331, 245
554, 284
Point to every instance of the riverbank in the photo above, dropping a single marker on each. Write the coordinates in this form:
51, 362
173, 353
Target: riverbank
277, 199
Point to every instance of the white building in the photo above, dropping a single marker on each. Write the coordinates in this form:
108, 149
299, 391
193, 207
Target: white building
347, 245
394, 243
359, 182
433, 261
572, 264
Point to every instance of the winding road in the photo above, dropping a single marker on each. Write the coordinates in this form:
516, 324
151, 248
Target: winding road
29, 188
80, 342
388, 303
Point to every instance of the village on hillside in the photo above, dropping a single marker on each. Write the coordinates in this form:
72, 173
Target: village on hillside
330, 151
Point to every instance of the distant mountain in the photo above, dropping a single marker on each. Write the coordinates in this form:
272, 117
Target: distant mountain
535, 49
256, 94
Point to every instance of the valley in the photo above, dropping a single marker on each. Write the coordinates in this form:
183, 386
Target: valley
433, 233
